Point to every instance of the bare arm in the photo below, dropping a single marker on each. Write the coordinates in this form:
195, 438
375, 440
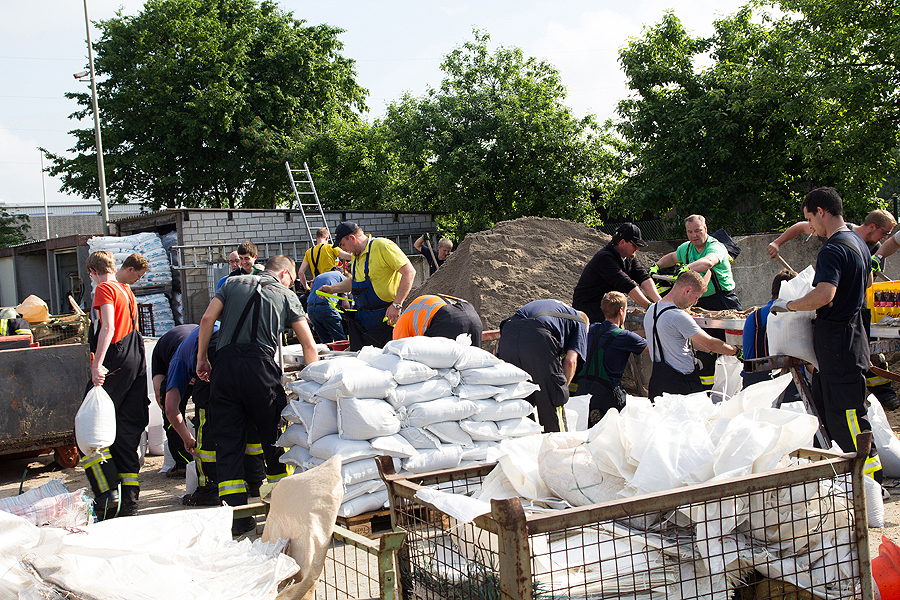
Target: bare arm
212, 314
304, 335
711, 344
418, 243
173, 414
407, 274
890, 246
702, 265
301, 274
157, 382
344, 255
788, 234
343, 286
638, 296
570, 363
668, 260
104, 339
820, 295
650, 291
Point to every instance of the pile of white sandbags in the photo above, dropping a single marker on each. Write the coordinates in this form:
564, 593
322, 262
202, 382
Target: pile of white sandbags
430, 403
150, 246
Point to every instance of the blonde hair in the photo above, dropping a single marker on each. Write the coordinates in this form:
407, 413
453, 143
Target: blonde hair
445, 243
881, 218
612, 303
101, 262
691, 279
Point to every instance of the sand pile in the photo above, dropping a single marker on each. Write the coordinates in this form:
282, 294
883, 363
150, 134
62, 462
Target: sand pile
514, 263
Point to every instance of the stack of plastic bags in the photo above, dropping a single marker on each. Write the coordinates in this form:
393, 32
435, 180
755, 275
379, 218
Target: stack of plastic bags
430, 403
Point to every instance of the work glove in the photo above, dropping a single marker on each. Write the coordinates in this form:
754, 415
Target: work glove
876, 264
739, 354
679, 269
426, 237
654, 270
779, 306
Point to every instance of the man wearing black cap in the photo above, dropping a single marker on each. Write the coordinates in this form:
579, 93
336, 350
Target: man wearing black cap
381, 278
614, 268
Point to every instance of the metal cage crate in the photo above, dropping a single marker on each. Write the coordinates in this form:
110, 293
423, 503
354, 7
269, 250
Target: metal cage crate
798, 532
62, 329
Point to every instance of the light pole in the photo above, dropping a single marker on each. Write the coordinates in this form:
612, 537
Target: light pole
104, 210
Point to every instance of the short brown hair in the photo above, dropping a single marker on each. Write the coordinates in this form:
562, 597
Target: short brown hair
691, 279
881, 218
322, 233
136, 262
783, 275
612, 303
279, 263
102, 262
247, 248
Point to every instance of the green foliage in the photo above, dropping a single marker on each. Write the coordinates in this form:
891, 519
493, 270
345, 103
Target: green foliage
13, 228
200, 99
787, 104
495, 142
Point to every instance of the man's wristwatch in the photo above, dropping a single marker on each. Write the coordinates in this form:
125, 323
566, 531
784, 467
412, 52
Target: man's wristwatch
397, 306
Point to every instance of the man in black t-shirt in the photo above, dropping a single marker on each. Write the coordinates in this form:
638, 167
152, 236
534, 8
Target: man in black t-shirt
615, 268
843, 273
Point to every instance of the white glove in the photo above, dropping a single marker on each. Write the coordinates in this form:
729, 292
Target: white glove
780, 306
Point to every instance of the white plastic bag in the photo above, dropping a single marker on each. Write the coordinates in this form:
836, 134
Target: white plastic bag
728, 379
95, 422
791, 333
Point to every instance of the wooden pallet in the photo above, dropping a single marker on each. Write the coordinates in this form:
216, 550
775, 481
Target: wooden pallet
366, 523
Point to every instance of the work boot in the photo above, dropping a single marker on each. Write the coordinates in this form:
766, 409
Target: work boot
176, 472
253, 488
886, 395
205, 495
128, 505
243, 525
106, 505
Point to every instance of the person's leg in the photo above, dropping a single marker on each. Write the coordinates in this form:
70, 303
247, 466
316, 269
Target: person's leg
228, 420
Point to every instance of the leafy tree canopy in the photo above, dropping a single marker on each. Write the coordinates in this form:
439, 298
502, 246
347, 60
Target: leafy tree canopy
13, 228
199, 100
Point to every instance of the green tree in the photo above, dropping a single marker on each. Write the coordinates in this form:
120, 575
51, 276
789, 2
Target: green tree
495, 142
199, 100
13, 228
744, 139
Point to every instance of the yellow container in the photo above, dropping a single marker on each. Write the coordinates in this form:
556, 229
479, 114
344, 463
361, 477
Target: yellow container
880, 311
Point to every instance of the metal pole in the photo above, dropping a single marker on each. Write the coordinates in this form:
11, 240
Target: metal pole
104, 210
44, 187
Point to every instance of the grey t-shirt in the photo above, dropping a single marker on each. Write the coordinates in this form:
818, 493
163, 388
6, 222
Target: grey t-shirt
279, 308
675, 329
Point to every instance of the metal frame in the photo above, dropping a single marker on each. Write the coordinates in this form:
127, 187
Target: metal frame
512, 551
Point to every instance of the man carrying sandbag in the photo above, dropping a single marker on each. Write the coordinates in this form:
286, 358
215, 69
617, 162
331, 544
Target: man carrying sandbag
245, 382
438, 315
843, 273
381, 278
546, 338
670, 332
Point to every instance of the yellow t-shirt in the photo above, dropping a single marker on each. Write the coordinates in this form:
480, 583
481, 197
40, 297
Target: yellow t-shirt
386, 260
327, 255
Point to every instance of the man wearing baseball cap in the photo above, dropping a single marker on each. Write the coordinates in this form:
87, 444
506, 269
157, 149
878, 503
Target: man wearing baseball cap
381, 278
615, 268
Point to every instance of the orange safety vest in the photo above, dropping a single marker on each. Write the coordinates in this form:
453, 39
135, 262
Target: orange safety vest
417, 316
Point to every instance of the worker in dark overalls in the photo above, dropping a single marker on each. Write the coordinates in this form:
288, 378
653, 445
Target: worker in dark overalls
246, 381
163, 351
118, 363
12, 324
381, 278
670, 332
439, 315
609, 347
840, 341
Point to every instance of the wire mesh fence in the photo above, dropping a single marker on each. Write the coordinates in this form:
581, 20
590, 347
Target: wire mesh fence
797, 533
357, 567
63, 329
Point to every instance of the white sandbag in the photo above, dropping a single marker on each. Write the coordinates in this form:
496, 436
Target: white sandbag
294, 435
476, 392
478, 451
580, 405
323, 370
366, 418
518, 427
95, 422
874, 503
423, 414
522, 389
518, 462
362, 470
728, 380
481, 431
363, 487
393, 445
502, 373
324, 420
431, 389
298, 411
450, 432
446, 457
361, 382
887, 443
450, 375
297, 456
304, 389
473, 357
566, 466
436, 352
363, 504
404, 372
791, 333
492, 410
420, 438
349, 450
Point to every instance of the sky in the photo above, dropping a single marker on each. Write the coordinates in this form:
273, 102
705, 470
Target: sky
398, 46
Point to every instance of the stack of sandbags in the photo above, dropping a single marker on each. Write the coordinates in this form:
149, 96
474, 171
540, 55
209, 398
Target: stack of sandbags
430, 403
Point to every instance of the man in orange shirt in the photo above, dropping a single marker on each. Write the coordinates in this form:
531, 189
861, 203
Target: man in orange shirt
437, 315
119, 365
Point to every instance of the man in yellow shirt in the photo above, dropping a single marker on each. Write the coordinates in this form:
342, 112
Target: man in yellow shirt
381, 278
320, 258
